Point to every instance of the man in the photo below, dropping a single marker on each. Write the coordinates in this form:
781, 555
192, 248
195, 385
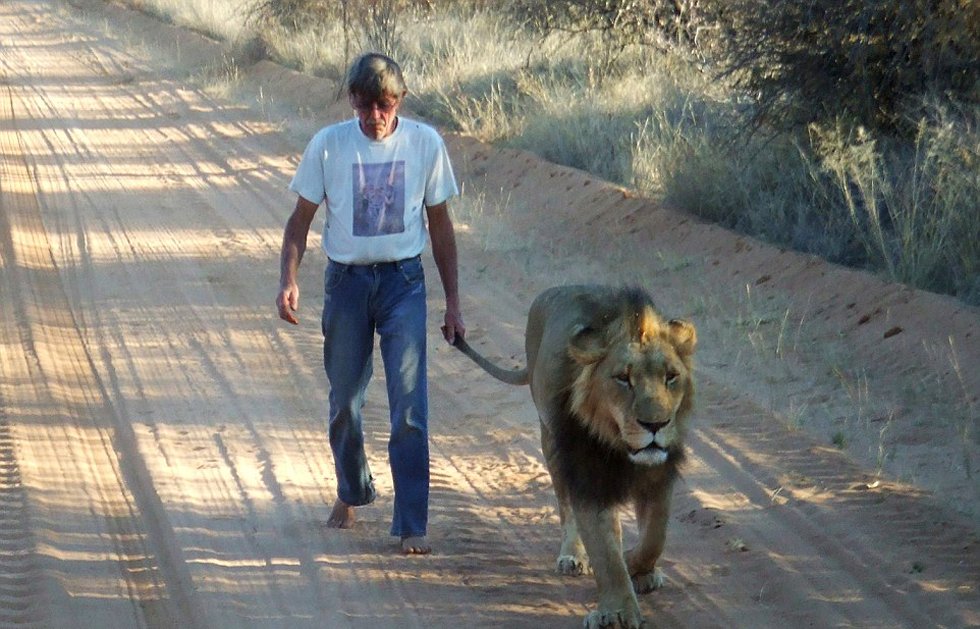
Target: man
376, 174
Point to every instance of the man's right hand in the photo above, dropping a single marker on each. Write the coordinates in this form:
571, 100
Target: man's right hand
293, 246
288, 302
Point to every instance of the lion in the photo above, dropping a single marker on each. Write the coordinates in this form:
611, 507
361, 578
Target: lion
613, 385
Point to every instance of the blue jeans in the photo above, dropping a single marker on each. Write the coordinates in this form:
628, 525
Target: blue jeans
389, 299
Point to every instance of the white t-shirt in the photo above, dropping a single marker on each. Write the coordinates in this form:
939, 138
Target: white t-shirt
376, 190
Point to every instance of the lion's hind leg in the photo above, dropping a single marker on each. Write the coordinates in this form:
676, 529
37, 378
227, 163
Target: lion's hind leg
572, 558
648, 581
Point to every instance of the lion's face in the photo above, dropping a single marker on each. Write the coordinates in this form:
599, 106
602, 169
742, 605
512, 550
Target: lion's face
635, 386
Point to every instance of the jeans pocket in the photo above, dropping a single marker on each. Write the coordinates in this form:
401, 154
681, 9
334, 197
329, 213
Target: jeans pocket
412, 271
334, 276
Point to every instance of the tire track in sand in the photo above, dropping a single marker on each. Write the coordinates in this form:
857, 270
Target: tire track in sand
20, 602
57, 376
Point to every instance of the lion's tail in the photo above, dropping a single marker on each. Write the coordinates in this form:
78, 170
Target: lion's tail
516, 376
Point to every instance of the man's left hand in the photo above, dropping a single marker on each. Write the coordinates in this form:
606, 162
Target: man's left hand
454, 326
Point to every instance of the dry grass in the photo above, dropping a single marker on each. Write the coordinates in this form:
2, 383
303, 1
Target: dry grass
660, 123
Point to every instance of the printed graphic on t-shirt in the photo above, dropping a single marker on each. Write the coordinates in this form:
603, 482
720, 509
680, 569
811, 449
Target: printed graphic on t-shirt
379, 199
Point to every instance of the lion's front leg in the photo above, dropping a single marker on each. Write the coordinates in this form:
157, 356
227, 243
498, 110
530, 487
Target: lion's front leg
652, 514
600, 532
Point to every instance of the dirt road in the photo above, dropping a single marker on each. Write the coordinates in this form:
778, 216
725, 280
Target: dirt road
163, 460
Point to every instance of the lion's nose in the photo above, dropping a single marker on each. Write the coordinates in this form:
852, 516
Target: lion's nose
653, 427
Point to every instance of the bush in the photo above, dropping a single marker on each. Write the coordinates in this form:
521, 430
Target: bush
293, 14
827, 60
619, 24
368, 24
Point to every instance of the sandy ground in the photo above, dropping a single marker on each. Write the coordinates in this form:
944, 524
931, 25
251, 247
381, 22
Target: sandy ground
163, 461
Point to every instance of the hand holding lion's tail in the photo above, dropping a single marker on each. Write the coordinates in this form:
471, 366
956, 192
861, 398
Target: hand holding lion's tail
516, 376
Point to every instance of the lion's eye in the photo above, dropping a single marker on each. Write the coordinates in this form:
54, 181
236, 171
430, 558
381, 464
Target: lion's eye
623, 379
671, 378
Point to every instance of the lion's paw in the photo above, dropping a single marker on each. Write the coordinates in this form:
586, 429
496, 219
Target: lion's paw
649, 581
572, 566
620, 618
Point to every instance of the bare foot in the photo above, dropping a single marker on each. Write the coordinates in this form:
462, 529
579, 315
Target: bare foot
342, 516
415, 546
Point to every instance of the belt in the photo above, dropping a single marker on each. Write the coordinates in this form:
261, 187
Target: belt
380, 266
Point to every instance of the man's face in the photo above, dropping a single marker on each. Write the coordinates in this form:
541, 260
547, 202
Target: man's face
377, 117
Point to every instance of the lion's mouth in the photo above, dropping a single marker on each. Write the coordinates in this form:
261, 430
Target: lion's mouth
650, 448
650, 455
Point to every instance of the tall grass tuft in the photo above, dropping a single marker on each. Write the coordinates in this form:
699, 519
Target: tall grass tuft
913, 208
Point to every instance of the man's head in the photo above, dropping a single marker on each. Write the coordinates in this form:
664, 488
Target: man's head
376, 87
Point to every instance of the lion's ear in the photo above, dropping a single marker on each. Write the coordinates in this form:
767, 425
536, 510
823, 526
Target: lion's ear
683, 336
586, 345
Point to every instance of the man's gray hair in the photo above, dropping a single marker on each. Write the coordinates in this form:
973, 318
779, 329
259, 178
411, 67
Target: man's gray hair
374, 77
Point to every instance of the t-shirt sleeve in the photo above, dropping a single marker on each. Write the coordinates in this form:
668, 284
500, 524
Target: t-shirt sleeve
441, 183
308, 180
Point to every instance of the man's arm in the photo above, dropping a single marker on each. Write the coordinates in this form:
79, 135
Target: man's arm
443, 239
293, 248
